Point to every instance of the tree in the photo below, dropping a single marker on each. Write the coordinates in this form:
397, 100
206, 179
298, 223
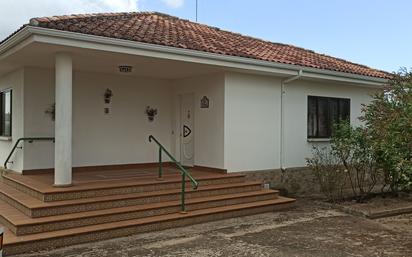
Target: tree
388, 122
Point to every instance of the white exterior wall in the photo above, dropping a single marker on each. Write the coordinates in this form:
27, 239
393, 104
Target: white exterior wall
253, 119
297, 147
120, 137
14, 81
252, 122
40, 91
209, 123
239, 132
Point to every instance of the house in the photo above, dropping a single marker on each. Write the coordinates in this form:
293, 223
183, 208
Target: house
81, 94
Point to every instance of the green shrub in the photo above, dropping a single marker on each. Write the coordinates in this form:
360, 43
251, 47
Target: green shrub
388, 120
353, 148
329, 173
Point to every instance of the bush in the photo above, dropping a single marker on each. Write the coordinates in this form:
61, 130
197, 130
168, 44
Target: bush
388, 119
353, 148
328, 172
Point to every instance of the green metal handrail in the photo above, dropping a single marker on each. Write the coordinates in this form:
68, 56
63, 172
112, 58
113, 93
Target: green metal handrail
30, 140
184, 172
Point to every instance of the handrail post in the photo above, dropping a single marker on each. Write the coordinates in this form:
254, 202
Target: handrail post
183, 192
160, 164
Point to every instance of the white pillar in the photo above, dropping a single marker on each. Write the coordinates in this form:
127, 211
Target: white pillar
63, 121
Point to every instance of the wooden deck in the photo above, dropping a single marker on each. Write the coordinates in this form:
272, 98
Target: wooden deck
91, 180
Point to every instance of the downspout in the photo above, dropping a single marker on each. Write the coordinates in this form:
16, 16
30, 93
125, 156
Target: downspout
282, 116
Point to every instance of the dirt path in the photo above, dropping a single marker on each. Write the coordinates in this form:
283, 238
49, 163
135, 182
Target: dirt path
307, 230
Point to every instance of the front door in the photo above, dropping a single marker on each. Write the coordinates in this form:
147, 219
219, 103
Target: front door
187, 146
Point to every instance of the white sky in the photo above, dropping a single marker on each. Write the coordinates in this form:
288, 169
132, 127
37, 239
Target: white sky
7, 103
15, 13
173, 3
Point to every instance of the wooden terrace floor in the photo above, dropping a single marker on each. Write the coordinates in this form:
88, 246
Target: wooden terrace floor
89, 180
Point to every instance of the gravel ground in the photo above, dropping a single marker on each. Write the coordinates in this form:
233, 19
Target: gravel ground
398, 223
307, 230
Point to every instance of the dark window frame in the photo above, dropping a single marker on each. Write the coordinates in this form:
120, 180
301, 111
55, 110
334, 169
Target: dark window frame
3, 113
313, 126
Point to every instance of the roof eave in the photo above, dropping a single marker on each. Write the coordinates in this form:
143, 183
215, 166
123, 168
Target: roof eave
12, 43
67, 38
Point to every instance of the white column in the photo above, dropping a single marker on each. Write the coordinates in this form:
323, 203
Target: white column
63, 122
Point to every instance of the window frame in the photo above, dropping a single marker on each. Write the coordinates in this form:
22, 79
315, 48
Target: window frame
340, 112
2, 113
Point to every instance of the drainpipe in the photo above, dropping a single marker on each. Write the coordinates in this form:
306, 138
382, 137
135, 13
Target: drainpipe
282, 116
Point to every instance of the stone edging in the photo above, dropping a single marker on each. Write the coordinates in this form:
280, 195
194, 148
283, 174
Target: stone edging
369, 215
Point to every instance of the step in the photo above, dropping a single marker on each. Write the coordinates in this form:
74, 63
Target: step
33, 207
20, 224
27, 243
112, 187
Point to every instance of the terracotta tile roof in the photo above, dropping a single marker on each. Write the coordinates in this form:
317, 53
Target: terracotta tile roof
163, 29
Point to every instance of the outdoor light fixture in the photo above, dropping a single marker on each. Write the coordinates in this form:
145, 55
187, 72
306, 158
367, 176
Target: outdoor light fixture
125, 68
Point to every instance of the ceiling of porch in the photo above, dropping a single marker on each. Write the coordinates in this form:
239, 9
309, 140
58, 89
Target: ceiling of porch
42, 55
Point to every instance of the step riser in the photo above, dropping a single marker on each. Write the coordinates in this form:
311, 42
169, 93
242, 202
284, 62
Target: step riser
120, 232
24, 230
7, 224
35, 213
115, 191
23, 188
15, 204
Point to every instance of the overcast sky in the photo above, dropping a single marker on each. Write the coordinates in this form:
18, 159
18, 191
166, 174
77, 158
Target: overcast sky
376, 33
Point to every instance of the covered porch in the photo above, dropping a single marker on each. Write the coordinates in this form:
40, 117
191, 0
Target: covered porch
66, 98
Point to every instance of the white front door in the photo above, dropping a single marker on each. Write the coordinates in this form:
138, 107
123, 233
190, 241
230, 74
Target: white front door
187, 146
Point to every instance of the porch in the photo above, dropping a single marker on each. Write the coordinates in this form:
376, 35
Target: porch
99, 178
66, 98
104, 204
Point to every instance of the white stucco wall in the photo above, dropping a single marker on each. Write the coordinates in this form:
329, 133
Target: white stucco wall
297, 147
120, 137
209, 123
252, 122
253, 119
39, 89
14, 81
239, 132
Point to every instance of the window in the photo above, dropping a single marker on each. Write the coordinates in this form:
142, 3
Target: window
323, 112
5, 113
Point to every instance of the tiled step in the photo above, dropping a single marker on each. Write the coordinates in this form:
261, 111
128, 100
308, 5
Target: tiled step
33, 207
20, 224
23, 244
113, 187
